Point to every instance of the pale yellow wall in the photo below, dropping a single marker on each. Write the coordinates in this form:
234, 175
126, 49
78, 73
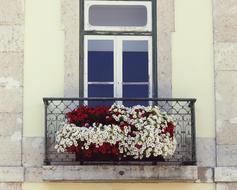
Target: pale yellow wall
193, 65
43, 68
117, 186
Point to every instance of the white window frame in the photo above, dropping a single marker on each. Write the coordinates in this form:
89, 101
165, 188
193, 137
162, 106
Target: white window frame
118, 62
89, 27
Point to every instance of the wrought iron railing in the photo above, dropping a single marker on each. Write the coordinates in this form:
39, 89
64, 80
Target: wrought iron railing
181, 110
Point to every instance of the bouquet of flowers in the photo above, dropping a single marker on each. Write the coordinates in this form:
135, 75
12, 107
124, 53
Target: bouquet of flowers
136, 132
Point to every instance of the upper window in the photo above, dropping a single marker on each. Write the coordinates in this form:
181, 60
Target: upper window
118, 16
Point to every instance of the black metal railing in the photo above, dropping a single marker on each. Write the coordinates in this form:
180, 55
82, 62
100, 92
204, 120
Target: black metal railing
181, 110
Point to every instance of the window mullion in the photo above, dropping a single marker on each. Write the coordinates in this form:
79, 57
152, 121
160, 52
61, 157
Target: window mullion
150, 67
119, 68
115, 67
85, 66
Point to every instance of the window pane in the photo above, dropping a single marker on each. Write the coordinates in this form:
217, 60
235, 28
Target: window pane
100, 61
96, 90
118, 15
135, 91
100, 90
135, 61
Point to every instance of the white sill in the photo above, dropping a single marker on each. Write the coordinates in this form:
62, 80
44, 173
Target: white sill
120, 173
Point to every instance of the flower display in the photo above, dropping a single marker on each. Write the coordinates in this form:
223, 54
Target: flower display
136, 132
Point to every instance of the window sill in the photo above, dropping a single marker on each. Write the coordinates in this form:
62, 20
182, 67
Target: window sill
120, 173
11, 174
226, 174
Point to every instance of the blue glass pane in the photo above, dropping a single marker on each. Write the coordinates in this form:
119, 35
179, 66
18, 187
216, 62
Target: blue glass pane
100, 90
135, 61
100, 66
135, 66
100, 61
135, 91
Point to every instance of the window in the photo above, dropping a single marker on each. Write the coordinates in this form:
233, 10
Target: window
117, 43
118, 65
118, 15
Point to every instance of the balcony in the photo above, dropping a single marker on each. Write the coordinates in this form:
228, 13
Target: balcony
182, 112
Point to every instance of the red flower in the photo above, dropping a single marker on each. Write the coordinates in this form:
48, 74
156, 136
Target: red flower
138, 146
84, 114
170, 129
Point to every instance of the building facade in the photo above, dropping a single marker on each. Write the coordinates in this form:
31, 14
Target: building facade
193, 50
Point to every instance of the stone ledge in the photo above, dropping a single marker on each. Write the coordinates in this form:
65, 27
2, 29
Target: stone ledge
11, 174
226, 174
120, 173
205, 175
